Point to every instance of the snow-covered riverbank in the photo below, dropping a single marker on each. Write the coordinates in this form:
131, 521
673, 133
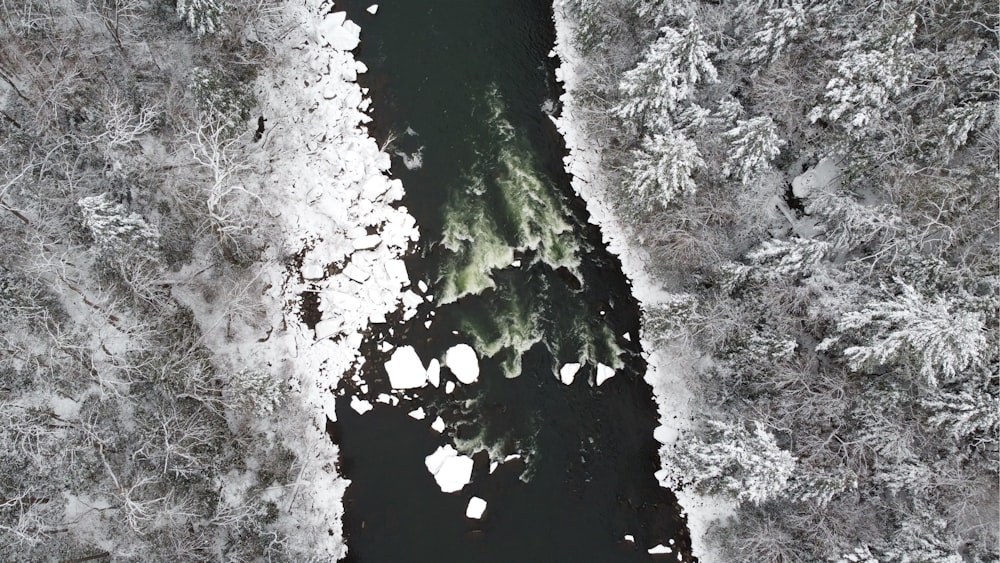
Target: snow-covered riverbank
668, 369
334, 263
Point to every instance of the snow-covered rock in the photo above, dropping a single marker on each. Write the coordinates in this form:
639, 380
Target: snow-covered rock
405, 369
461, 359
476, 508
604, 373
451, 471
568, 372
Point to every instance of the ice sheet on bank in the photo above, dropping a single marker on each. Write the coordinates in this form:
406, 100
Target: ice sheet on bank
451, 471
462, 361
604, 373
568, 372
405, 369
476, 508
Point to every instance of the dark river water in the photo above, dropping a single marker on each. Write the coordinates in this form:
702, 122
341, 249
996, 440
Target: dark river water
516, 271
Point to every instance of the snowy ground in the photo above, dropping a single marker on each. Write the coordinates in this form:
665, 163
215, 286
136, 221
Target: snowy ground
667, 368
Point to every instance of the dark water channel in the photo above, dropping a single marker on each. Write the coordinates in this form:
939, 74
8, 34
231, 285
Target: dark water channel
516, 272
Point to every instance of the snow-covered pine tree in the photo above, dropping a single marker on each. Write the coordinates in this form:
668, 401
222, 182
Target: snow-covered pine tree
735, 461
753, 144
664, 168
203, 17
115, 230
666, 76
934, 335
872, 70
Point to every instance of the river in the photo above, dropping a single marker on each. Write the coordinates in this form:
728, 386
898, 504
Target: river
461, 92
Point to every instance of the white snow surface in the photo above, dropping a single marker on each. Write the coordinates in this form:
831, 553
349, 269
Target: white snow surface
604, 373
405, 369
461, 359
568, 372
451, 471
668, 371
476, 508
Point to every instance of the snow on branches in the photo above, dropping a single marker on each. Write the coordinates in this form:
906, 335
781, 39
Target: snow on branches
664, 166
934, 335
872, 70
666, 75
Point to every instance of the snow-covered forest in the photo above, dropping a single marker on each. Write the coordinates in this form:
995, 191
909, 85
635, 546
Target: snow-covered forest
815, 187
184, 184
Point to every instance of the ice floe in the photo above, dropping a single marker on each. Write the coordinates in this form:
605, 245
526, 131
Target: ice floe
451, 471
373, 9
405, 369
461, 359
361, 405
604, 373
476, 508
568, 372
659, 549
417, 413
434, 372
438, 424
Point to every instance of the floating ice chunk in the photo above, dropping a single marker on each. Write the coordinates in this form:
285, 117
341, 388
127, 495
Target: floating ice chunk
366, 242
396, 271
344, 37
361, 405
658, 549
313, 271
451, 471
627, 337
449, 386
629, 538
360, 67
511, 457
476, 508
438, 424
427, 324
493, 466
405, 369
664, 434
604, 373
516, 263
417, 413
385, 346
411, 300
434, 372
355, 273
568, 372
422, 286
385, 399
462, 361
372, 9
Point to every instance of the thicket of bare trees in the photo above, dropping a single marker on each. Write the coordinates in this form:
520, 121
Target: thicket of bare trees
851, 316
124, 130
